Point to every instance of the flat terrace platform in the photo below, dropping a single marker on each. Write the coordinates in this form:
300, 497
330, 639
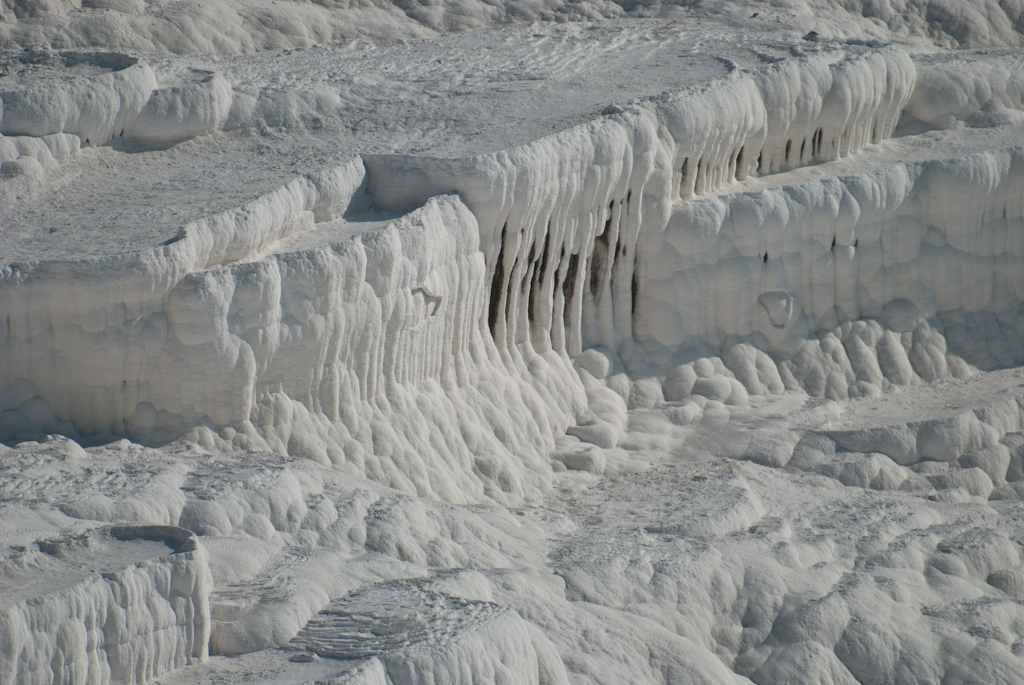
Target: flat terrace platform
450, 96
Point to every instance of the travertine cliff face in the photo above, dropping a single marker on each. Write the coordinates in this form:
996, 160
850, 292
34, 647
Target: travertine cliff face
434, 352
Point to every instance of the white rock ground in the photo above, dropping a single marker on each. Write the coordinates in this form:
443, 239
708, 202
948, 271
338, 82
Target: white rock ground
669, 350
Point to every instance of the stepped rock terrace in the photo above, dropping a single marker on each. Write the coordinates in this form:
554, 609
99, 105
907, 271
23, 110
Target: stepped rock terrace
695, 358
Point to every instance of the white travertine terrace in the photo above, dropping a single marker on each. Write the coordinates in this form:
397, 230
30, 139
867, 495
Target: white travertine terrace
357, 389
392, 314
403, 313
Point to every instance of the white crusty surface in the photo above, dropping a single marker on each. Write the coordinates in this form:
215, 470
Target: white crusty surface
511, 343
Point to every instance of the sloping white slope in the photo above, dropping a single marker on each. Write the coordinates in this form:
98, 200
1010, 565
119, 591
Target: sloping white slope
678, 573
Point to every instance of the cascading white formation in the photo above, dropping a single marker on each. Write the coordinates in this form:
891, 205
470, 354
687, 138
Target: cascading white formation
838, 288
927, 252
365, 353
581, 229
386, 354
852, 284
561, 219
434, 354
